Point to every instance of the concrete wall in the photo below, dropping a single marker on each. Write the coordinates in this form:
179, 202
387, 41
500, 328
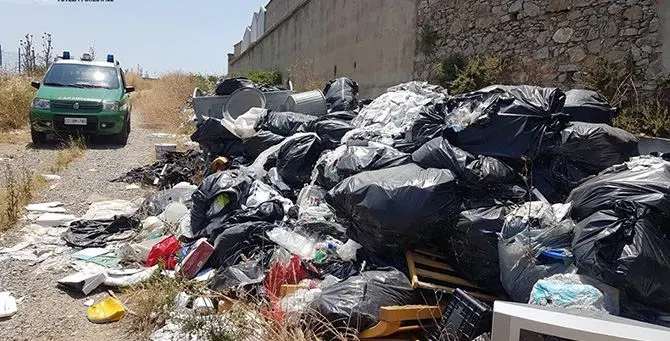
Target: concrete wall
664, 14
550, 42
372, 41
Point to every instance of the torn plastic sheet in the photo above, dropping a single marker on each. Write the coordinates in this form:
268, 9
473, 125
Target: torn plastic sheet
394, 112
48, 207
574, 291
107, 210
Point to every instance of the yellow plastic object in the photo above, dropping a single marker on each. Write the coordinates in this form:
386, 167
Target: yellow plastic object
219, 164
108, 310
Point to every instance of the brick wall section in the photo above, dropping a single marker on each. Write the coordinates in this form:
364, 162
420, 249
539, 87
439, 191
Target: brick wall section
549, 41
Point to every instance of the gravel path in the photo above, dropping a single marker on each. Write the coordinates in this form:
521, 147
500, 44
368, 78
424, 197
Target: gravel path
47, 312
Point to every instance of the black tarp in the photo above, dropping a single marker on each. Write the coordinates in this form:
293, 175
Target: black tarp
397, 207
92, 233
341, 94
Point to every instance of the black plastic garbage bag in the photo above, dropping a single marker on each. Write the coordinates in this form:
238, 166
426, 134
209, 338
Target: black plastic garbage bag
92, 233
354, 304
282, 123
261, 141
354, 159
330, 131
643, 180
334, 267
486, 171
226, 87
296, 159
439, 153
594, 146
504, 121
532, 247
219, 194
156, 203
588, 106
239, 275
397, 207
338, 115
237, 239
269, 211
341, 94
217, 139
429, 125
627, 247
555, 176
473, 245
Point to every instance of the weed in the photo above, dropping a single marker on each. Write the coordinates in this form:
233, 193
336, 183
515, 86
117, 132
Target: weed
427, 43
479, 72
17, 188
651, 119
73, 148
154, 299
451, 68
162, 101
304, 76
614, 82
269, 77
16, 94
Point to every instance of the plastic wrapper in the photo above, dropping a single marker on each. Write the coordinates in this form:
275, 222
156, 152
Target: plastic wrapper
588, 106
355, 302
349, 160
341, 94
312, 206
283, 123
156, 203
225, 87
245, 124
330, 131
262, 140
397, 207
594, 146
439, 153
218, 195
535, 243
574, 291
296, 159
236, 240
473, 245
293, 242
503, 121
164, 252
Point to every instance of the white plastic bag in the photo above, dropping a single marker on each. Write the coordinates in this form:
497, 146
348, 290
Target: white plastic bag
293, 242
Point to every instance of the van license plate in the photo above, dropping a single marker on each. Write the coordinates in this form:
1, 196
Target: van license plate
75, 121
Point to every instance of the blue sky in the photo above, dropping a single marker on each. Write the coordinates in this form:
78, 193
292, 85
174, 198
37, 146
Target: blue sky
159, 35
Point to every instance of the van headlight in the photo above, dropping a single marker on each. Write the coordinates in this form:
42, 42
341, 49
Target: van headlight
110, 106
40, 103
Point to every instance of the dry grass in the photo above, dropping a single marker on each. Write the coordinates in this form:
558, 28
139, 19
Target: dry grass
17, 188
16, 95
21, 136
73, 148
160, 101
304, 77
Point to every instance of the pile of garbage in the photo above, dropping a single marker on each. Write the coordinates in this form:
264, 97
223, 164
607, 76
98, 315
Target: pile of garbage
527, 192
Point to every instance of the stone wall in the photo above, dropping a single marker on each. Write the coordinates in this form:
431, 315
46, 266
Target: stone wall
548, 42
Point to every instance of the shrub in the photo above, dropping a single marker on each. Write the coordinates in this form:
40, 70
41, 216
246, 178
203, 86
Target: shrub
16, 94
478, 73
451, 68
269, 77
652, 119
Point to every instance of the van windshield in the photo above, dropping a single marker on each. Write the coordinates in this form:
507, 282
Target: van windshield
82, 76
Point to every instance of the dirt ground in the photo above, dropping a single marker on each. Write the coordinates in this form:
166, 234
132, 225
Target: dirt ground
45, 311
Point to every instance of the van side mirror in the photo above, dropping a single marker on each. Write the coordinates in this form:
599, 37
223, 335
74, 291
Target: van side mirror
130, 89
35, 84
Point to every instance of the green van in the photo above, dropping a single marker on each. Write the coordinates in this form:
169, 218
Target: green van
82, 96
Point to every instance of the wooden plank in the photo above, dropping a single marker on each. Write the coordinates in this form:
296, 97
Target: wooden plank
430, 253
444, 277
287, 289
381, 329
448, 290
421, 259
409, 255
409, 312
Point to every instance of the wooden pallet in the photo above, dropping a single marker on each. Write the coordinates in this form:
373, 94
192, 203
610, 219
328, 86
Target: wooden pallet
428, 270
396, 320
